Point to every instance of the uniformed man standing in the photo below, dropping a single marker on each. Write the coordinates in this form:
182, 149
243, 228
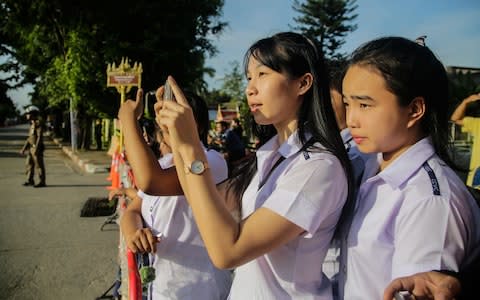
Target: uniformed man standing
35, 147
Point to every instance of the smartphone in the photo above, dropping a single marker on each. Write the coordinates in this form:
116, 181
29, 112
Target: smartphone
404, 295
167, 92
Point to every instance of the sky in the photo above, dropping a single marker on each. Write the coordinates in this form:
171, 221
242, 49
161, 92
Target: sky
452, 28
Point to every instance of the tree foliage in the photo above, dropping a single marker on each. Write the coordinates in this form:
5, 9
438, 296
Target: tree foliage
232, 89
168, 37
62, 47
233, 83
232, 94
327, 22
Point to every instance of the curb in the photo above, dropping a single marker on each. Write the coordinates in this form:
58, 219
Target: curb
84, 165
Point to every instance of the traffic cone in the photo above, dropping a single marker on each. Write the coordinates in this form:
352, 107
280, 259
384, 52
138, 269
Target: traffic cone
122, 170
115, 157
115, 176
112, 164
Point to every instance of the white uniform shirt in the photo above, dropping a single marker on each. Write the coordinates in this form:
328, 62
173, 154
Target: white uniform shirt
309, 189
182, 266
414, 216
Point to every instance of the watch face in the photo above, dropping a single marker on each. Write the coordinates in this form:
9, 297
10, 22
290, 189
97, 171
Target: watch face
197, 167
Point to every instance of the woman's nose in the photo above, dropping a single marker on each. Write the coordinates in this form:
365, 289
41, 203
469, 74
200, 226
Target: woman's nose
250, 88
352, 120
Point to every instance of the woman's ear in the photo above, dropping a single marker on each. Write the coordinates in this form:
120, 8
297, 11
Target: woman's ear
305, 83
416, 111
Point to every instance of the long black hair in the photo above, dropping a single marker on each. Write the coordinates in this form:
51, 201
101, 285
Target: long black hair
411, 70
294, 55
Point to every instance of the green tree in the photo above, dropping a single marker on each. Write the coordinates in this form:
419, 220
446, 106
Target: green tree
233, 83
327, 22
62, 48
215, 97
232, 89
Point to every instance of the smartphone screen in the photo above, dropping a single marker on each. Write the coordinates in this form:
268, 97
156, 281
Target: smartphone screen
168, 93
403, 295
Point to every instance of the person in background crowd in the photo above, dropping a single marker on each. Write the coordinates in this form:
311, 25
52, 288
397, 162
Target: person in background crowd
470, 124
35, 147
237, 127
98, 133
231, 143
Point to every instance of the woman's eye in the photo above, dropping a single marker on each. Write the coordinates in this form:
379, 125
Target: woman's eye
363, 105
261, 74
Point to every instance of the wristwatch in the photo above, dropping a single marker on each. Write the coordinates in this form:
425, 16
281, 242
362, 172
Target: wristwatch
197, 167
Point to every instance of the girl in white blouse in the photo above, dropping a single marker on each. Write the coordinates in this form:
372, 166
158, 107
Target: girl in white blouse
158, 220
414, 214
294, 189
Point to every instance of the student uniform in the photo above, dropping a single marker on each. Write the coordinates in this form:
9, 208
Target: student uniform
182, 265
309, 189
414, 216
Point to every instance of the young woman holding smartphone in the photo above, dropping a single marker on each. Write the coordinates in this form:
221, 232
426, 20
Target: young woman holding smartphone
293, 193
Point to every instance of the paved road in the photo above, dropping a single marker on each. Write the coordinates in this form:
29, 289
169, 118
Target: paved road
46, 250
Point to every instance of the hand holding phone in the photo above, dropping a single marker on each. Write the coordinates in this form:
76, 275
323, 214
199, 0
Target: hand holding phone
168, 92
404, 295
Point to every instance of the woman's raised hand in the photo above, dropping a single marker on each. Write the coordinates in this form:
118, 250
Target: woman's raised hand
176, 117
472, 98
131, 108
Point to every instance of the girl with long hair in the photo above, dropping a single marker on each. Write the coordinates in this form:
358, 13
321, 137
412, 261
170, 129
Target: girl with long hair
295, 190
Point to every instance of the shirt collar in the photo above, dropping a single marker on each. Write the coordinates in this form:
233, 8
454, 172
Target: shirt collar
288, 148
402, 168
